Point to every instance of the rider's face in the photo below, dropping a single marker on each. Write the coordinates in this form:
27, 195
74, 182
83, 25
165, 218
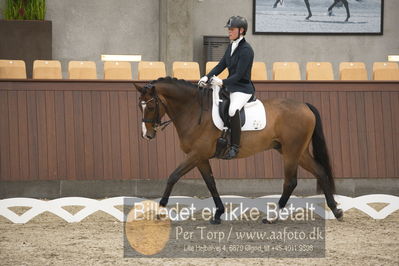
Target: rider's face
234, 33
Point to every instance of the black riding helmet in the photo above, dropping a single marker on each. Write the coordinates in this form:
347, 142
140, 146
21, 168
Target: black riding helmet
237, 22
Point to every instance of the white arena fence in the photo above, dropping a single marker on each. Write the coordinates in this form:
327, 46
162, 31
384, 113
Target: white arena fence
91, 206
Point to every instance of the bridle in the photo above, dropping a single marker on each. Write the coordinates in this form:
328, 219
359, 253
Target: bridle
156, 122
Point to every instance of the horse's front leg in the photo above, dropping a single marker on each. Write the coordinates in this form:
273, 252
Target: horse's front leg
206, 171
181, 170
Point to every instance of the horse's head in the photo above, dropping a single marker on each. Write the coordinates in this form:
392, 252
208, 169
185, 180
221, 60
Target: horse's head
152, 108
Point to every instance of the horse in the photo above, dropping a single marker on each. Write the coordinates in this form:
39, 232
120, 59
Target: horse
338, 3
291, 126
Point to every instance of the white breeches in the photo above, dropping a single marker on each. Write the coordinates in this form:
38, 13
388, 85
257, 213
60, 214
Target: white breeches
237, 101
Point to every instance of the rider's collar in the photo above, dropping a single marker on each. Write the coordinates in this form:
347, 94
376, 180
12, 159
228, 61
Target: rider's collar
237, 41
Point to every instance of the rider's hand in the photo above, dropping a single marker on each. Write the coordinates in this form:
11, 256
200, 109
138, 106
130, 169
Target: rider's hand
202, 82
216, 81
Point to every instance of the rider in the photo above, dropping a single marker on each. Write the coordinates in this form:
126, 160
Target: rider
238, 59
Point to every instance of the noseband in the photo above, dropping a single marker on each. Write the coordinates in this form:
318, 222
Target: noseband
156, 123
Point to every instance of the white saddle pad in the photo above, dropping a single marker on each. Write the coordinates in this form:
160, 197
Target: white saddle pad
255, 114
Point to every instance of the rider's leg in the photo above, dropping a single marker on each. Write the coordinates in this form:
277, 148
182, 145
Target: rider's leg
237, 101
235, 126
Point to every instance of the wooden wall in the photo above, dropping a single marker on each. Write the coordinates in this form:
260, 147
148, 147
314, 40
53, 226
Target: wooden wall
85, 130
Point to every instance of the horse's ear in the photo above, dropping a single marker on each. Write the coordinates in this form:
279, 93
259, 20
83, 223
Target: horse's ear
138, 87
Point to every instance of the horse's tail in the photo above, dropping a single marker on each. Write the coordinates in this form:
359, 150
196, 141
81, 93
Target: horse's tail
320, 152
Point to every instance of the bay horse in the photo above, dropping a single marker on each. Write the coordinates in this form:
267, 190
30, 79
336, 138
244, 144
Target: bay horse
336, 2
291, 126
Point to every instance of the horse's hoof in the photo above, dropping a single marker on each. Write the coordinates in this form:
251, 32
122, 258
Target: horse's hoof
339, 214
267, 221
347, 19
215, 221
308, 17
163, 203
160, 217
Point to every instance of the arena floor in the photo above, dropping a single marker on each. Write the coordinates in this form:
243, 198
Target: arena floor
48, 240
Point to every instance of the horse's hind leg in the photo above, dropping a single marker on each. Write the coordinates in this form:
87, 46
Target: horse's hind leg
206, 172
276, 3
309, 11
331, 7
346, 4
290, 179
307, 162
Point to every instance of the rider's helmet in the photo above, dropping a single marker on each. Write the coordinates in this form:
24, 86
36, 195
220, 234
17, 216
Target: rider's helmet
237, 22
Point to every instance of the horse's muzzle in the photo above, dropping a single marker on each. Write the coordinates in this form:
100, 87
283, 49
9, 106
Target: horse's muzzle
149, 135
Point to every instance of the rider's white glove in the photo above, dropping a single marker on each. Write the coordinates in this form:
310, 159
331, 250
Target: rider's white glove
216, 81
202, 81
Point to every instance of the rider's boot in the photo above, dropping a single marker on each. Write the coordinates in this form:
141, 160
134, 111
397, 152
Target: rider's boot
235, 125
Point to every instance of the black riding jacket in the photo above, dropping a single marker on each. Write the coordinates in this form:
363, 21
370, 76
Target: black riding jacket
239, 65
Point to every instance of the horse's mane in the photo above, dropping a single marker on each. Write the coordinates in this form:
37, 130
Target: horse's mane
176, 82
203, 95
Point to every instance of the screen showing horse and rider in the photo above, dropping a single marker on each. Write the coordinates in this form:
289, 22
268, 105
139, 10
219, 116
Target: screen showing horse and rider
318, 16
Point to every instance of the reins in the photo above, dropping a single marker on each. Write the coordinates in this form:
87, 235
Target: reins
202, 92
